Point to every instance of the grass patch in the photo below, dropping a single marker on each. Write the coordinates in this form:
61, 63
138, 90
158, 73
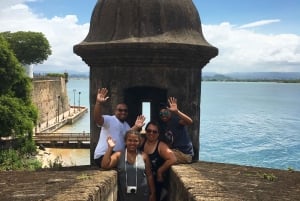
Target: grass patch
83, 176
268, 176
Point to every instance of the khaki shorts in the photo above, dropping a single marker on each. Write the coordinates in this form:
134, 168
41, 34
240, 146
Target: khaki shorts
181, 157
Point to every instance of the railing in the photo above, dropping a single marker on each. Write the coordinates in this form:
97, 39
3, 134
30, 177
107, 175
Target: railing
61, 137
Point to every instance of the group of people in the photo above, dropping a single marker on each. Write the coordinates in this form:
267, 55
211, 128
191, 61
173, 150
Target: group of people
142, 164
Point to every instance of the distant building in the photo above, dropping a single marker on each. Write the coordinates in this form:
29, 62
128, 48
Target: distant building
29, 70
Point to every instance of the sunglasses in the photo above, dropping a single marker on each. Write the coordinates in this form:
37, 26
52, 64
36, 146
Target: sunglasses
152, 131
164, 113
122, 110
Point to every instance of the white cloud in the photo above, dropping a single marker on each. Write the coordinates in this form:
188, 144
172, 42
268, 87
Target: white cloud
240, 49
259, 23
61, 32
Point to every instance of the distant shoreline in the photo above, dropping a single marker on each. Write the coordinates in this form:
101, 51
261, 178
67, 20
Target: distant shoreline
206, 79
277, 77
250, 80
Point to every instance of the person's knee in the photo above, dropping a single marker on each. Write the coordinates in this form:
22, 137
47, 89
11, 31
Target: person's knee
182, 158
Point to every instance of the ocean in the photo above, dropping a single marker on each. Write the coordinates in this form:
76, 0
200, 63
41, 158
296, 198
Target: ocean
251, 123
244, 123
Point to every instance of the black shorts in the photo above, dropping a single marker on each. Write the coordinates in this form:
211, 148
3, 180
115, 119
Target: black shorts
98, 161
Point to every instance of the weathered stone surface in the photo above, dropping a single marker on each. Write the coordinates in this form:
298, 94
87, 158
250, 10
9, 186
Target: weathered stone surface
145, 50
193, 182
216, 181
67, 184
145, 32
144, 21
45, 97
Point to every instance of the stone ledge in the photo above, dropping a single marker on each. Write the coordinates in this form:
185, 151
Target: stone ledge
67, 184
217, 181
193, 182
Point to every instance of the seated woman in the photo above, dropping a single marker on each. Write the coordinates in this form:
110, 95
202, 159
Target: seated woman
161, 156
135, 181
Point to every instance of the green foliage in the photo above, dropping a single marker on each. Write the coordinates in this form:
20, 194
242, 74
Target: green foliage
11, 72
269, 177
14, 81
20, 159
16, 117
10, 160
14, 160
66, 76
55, 74
17, 113
26, 146
29, 47
23, 88
83, 176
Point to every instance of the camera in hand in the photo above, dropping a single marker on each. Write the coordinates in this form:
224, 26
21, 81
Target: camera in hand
131, 189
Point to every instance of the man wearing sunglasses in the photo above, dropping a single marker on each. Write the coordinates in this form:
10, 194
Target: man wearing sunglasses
112, 125
174, 131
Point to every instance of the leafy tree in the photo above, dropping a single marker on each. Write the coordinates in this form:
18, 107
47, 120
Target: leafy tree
16, 117
17, 113
29, 47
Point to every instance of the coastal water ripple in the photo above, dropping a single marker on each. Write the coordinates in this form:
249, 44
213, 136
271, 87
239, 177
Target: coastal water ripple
251, 124
255, 124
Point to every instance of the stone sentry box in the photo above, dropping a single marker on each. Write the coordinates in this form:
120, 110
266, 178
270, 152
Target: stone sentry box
146, 51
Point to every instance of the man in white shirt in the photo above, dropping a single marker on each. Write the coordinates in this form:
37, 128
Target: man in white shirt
112, 125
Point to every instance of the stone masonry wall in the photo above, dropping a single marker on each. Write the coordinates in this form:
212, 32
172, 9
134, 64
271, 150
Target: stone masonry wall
193, 182
45, 96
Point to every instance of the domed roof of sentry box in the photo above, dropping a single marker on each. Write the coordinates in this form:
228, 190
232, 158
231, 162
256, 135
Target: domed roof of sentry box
145, 21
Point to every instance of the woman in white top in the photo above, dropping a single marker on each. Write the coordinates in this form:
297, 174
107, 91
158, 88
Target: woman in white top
135, 180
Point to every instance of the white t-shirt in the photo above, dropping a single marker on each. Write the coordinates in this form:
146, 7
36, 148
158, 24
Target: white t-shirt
116, 129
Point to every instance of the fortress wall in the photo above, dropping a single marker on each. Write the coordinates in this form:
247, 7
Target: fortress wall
45, 96
193, 182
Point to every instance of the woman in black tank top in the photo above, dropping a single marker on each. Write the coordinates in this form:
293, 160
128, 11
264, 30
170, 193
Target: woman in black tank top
161, 156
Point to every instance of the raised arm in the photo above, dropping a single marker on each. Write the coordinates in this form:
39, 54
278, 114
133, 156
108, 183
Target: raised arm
110, 160
139, 123
184, 119
170, 159
101, 98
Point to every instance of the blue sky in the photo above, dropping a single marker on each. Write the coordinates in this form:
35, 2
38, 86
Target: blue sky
251, 35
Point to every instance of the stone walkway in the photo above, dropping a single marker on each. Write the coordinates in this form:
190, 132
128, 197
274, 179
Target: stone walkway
56, 123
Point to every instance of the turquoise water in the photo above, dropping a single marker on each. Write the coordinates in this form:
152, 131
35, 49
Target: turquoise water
256, 124
82, 86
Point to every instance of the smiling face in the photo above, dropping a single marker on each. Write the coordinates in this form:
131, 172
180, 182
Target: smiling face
152, 132
132, 140
164, 115
121, 112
